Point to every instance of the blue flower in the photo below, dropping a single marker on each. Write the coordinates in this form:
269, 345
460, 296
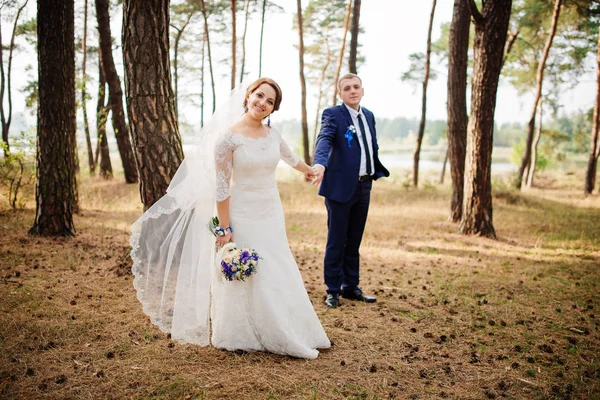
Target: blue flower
349, 135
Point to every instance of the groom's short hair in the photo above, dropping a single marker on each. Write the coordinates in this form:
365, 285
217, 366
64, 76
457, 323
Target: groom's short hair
347, 76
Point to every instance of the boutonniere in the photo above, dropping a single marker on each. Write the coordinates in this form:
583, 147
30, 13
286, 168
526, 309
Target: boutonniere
349, 135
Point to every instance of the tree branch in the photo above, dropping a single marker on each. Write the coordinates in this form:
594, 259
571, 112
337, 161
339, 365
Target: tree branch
477, 17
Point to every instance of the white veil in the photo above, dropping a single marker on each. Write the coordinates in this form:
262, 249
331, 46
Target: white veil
173, 251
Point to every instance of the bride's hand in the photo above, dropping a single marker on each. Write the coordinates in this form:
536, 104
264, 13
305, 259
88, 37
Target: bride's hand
223, 240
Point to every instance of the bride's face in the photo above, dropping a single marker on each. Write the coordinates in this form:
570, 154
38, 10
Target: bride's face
261, 101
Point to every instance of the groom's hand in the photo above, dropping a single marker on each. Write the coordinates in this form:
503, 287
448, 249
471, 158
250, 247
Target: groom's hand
318, 171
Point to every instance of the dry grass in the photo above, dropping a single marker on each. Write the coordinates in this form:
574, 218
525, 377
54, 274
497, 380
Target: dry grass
456, 317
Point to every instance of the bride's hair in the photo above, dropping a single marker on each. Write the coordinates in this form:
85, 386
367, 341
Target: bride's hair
256, 84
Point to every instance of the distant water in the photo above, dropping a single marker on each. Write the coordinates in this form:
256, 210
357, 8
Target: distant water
405, 161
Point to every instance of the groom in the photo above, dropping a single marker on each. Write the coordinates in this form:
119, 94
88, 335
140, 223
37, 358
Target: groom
346, 164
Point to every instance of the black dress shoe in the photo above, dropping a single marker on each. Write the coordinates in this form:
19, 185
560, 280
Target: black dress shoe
357, 294
332, 300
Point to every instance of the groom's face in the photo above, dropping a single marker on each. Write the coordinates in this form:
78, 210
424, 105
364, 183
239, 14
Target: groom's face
351, 92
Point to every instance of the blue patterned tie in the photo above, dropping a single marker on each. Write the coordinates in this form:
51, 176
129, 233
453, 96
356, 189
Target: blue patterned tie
365, 144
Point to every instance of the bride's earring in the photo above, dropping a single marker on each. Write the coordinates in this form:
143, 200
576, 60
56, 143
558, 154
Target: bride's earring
245, 106
269, 120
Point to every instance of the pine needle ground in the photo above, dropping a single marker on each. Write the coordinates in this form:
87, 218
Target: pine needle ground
456, 317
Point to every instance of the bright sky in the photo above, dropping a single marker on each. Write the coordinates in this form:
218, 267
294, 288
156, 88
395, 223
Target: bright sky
393, 29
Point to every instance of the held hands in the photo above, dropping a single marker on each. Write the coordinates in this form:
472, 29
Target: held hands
309, 174
317, 171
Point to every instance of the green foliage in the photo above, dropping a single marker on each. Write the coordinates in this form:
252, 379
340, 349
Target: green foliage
31, 95
323, 29
28, 30
416, 71
17, 169
574, 42
508, 134
400, 129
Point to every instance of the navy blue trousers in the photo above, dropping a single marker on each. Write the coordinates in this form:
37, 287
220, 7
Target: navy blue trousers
346, 224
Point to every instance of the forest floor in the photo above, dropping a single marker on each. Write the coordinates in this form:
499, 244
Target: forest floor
457, 317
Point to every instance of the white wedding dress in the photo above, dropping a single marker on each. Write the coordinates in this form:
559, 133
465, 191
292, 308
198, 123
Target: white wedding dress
270, 311
175, 265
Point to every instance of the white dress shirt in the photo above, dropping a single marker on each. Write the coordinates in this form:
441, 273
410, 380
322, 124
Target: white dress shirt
363, 158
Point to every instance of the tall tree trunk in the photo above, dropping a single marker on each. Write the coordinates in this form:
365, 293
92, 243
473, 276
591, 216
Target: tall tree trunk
202, 83
6, 116
354, 37
443, 173
490, 35
246, 13
510, 41
150, 99
101, 118
338, 67
302, 83
538, 93
262, 31
233, 42
55, 173
534, 148
176, 59
210, 64
115, 93
86, 126
458, 57
590, 175
320, 96
417, 152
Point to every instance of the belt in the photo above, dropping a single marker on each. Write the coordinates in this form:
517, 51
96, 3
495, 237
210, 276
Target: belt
364, 178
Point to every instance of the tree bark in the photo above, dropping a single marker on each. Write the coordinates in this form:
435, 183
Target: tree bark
101, 118
458, 49
417, 152
6, 116
512, 38
115, 93
534, 148
202, 83
150, 98
338, 66
443, 173
246, 13
210, 64
302, 83
526, 160
262, 31
55, 173
354, 37
233, 42
86, 126
590, 175
490, 35
320, 82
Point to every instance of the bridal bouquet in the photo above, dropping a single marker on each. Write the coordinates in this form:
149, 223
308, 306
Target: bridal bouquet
238, 264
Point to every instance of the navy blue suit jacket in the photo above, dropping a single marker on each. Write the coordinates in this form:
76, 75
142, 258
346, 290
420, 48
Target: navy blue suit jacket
342, 163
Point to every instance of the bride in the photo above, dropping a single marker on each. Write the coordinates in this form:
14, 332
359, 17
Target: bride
173, 251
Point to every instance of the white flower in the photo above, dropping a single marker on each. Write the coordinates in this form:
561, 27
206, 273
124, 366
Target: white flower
228, 247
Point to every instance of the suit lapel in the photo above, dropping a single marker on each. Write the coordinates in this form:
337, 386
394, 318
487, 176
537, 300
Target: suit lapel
346, 115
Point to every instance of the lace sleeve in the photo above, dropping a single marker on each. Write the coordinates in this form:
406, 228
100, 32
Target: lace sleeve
223, 166
287, 154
